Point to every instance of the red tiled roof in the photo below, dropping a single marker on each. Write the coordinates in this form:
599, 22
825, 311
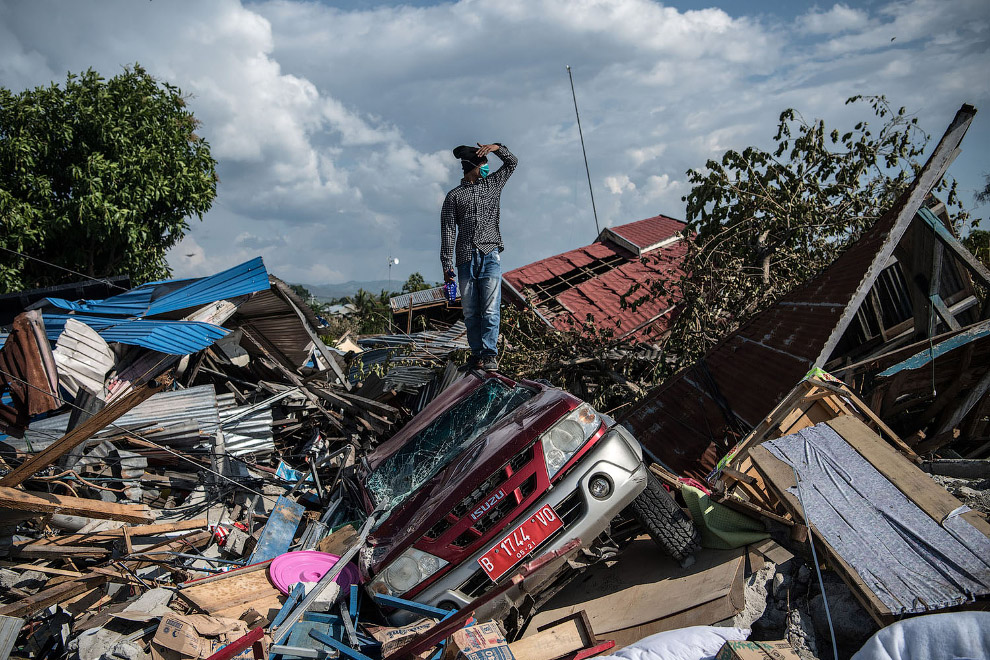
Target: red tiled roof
649, 232
601, 295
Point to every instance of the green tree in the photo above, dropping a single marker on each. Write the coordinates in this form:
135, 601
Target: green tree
978, 242
983, 196
98, 176
766, 221
415, 283
374, 314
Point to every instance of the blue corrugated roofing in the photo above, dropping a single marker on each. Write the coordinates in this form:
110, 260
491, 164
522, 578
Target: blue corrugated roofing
173, 337
171, 295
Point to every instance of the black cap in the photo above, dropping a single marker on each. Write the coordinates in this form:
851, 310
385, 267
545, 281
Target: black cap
469, 155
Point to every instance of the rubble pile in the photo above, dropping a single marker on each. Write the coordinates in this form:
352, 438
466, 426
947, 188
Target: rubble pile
151, 438
188, 471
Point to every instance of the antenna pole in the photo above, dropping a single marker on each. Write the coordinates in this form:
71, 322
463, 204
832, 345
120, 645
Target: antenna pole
581, 133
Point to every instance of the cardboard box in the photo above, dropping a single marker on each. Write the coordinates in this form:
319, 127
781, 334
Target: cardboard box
392, 639
743, 650
483, 641
195, 636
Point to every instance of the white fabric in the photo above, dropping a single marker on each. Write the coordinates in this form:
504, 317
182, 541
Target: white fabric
694, 643
949, 636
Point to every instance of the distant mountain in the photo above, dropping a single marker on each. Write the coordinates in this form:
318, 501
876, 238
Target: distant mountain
325, 292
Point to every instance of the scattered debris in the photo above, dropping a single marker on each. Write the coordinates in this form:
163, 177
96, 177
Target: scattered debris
189, 471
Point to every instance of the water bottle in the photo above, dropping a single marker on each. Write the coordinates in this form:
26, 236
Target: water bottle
450, 287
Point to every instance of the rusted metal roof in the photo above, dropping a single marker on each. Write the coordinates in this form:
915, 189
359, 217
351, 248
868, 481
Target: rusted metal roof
690, 421
593, 280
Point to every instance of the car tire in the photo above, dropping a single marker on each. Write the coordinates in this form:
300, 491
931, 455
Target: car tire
665, 522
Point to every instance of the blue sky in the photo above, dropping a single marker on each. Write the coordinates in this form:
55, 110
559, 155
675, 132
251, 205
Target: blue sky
333, 121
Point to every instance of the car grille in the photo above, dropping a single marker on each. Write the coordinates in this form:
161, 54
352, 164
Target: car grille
570, 510
523, 461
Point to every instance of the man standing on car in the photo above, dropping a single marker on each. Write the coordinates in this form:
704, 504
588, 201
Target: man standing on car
469, 231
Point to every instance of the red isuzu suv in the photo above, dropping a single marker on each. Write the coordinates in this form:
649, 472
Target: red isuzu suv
494, 472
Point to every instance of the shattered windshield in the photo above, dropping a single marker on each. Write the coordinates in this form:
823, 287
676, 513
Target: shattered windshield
436, 445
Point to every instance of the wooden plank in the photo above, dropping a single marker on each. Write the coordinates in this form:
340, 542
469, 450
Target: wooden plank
81, 433
779, 478
647, 591
153, 529
977, 269
33, 550
555, 640
902, 473
226, 593
48, 597
41, 569
78, 506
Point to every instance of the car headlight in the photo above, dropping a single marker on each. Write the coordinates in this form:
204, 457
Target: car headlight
562, 440
409, 569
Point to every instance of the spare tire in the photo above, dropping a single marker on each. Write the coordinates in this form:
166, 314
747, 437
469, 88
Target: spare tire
664, 521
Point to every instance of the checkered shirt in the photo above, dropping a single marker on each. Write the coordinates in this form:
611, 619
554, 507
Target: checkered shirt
470, 215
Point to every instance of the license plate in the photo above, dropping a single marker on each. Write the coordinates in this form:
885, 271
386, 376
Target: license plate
518, 543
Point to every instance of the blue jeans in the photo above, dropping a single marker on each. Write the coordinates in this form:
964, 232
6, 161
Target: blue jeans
481, 293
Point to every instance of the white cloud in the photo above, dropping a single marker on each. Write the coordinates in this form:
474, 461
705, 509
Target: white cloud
659, 186
840, 18
334, 126
619, 184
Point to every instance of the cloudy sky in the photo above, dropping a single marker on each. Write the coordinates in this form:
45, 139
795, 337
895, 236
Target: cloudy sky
333, 121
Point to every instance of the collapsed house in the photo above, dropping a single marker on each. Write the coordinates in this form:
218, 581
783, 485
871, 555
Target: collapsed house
190, 472
903, 290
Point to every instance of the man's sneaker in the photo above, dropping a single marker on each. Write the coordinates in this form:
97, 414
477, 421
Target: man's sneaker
489, 364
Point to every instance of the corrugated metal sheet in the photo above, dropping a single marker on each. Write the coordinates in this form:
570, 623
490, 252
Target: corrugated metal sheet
172, 295
83, 358
426, 298
10, 628
244, 434
617, 271
402, 351
172, 337
689, 421
179, 418
271, 316
40, 434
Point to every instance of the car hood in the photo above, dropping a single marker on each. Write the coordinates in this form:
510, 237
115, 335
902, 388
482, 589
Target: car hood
489, 452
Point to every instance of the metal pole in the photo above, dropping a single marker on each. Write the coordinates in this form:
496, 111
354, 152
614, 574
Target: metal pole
581, 133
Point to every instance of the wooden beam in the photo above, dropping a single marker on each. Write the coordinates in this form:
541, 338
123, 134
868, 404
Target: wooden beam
45, 598
81, 433
280, 362
34, 550
945, 313
904, 211
79, 506
977, 269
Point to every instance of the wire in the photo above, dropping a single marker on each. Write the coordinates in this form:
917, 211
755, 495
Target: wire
68, 270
